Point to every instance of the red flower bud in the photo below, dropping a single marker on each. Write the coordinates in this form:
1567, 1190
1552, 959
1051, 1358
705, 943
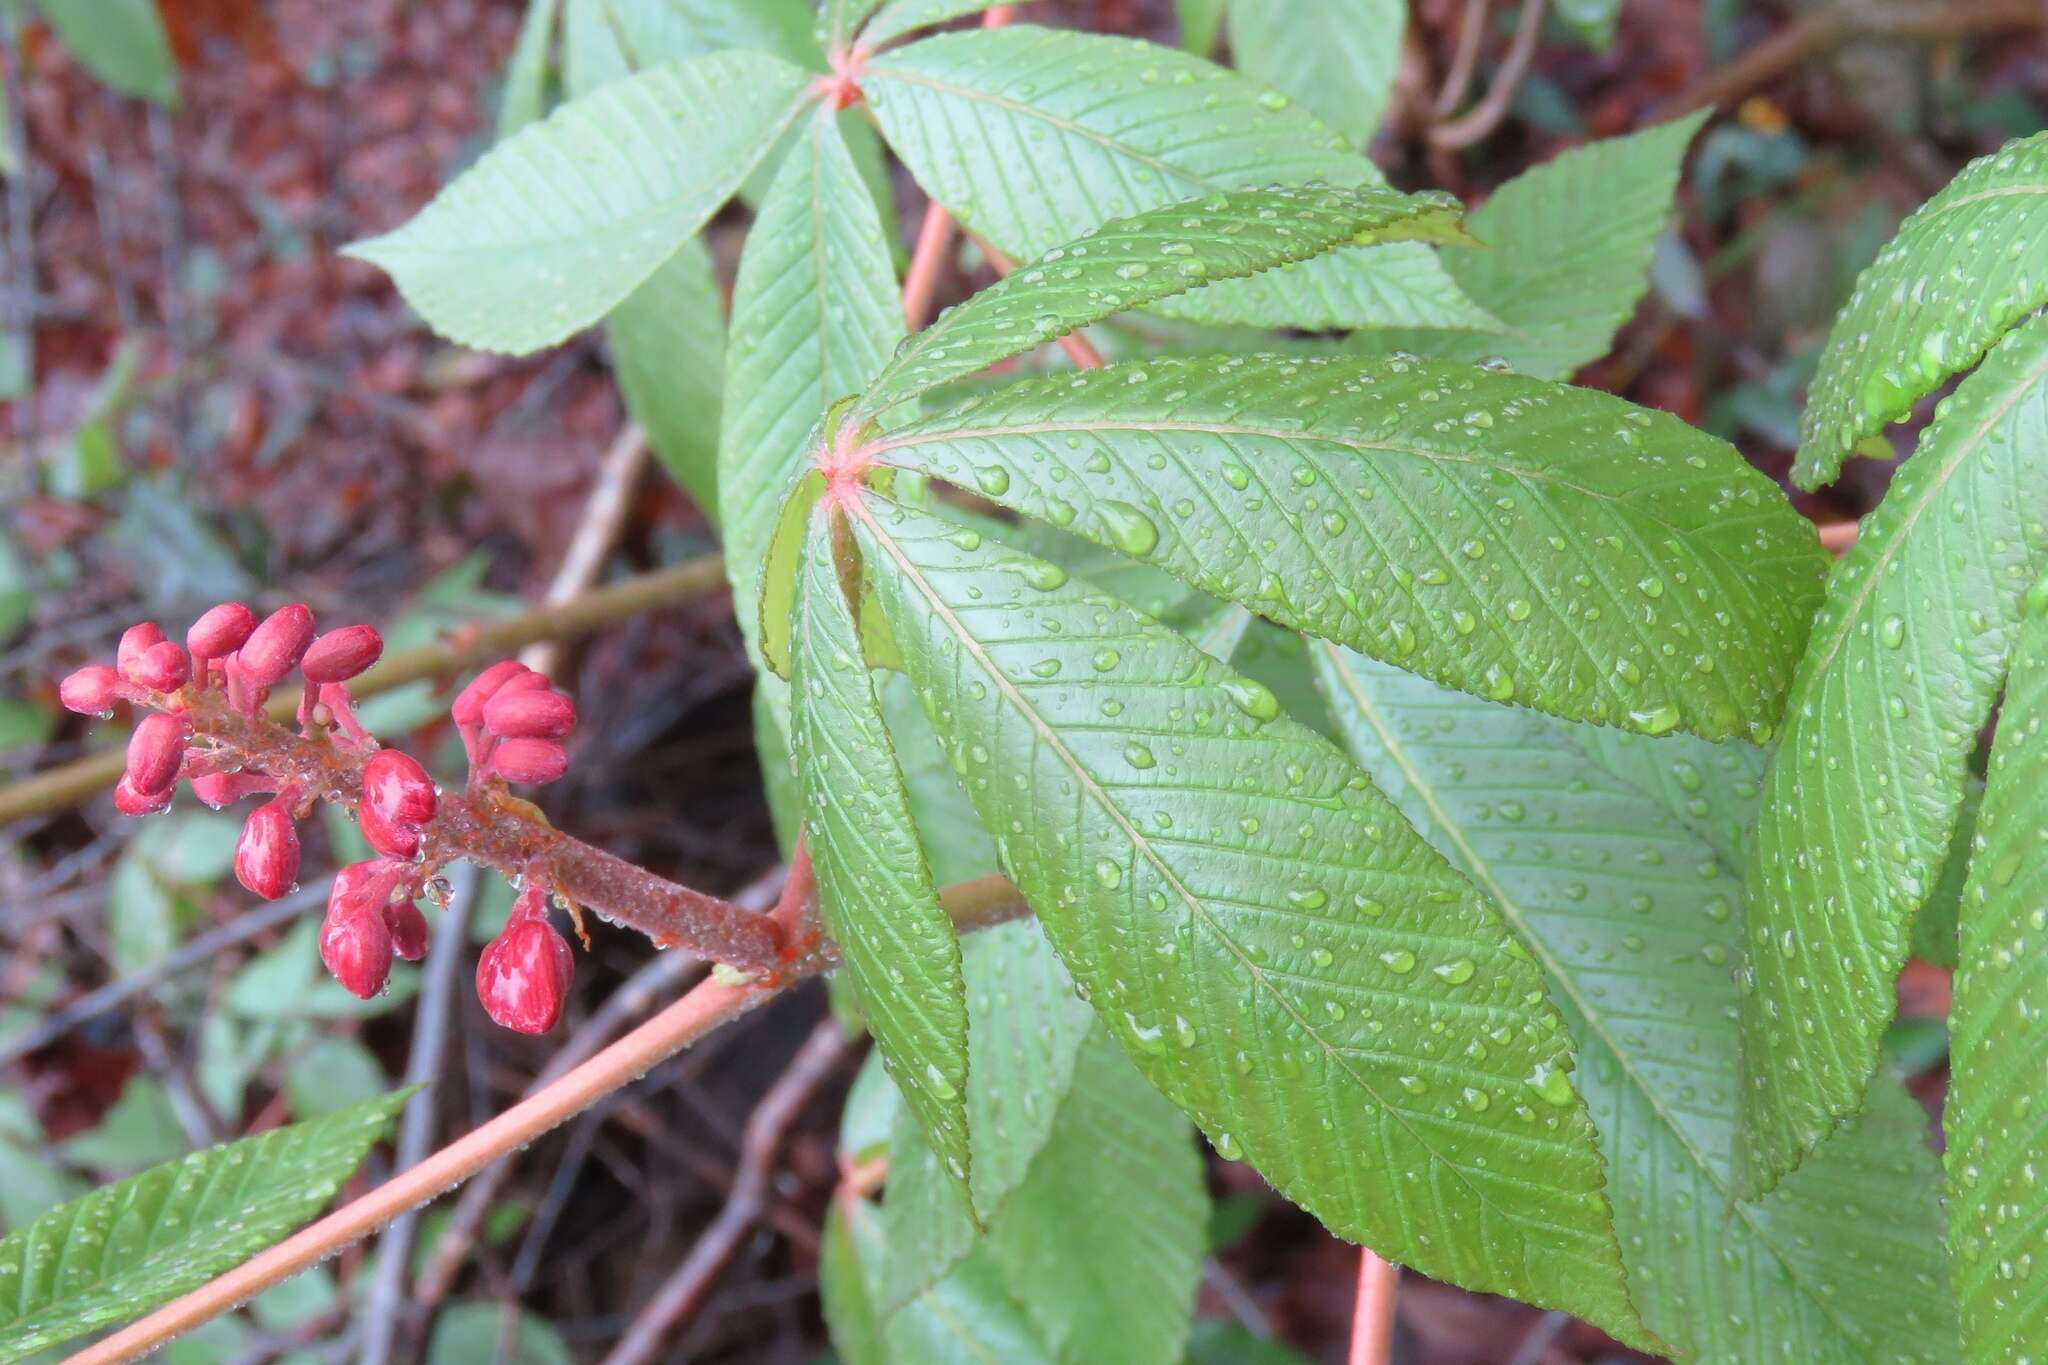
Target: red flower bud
339, 655
408, 930
399, 788
529, 713
274, 648
91, 691
134, 641
357, 947
154, 752
267, 854
163, 667
391, 840
222, 630
353, 888
468, 706
129, 801
524, 974
529, 760
224, 789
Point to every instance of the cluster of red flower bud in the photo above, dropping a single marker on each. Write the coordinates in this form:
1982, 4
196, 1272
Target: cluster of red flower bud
511, 723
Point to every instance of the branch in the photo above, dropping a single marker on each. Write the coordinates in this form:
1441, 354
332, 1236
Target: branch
1486, 115
68, 784
973, 905
604, 512
760, 1144
1820, 30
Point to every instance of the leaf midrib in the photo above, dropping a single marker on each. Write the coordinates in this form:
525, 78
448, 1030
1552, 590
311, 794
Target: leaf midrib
1479, 871
1051, 738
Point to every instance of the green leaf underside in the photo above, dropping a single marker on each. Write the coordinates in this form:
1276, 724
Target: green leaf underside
815, 315
1996, 1141
127, 1247
1025, 1028
899, 17
556, 225
1134, 261
668, 354
1960, 272
842, 19
1262, 932
604, 40
1566, 256
874, 889
1518, 539
1934, 926
1618, 874
1337, 57
851, 1240
1106, 127
1907, 655
121, 42
526, 75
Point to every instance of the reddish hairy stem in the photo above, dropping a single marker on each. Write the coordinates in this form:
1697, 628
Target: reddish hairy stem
1372, 1320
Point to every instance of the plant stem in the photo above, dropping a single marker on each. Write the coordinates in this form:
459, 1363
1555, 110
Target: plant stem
69, 783
973, 905
1372, 1320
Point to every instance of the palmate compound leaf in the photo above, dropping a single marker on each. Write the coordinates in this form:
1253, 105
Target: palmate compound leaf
1997, 1142
1264, 934
127, 1247
1566, 254
1907, 655
874, 889
557, 224
1161, 252
1105, 127
1510, 537
1615, 856
1968, 264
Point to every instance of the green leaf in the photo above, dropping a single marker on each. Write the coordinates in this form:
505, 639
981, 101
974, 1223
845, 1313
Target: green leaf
1218, 1341
1026, 1026
605, 40
558, 224
899, 17
1566, 255
1907, 655
1592, 20
467, 1333
526, 77
815, 316
968, 1316
1510, 537
1337, 57
122, 42
1249, 915
1200, 23
1997, 1033
874, 889
1110, 127
1935, 926
850, 1312
1152, 255
842, 19
1620, 879
1960, 272
125, 1248
668, 353
954, 841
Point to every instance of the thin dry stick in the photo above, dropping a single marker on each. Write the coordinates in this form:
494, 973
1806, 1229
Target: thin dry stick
604, 512
66, 785
1486, 115
1464, 58
973, 905
1372, 1320
760, 1145
1821, 30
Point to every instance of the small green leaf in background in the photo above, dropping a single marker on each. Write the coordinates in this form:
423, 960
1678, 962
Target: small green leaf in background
17, 589
1996, 1145
1110, 127
524, 99
1517, 539
473, 1333
1215, 1341
559, 223
125, 1248
1241, 908
875, 891
140, 1130
1566, 253
1907, 656
899, 17
1337, 57
122, 42
1961, 271
1130, 262
333, 1074
1592, 20
1201, 21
